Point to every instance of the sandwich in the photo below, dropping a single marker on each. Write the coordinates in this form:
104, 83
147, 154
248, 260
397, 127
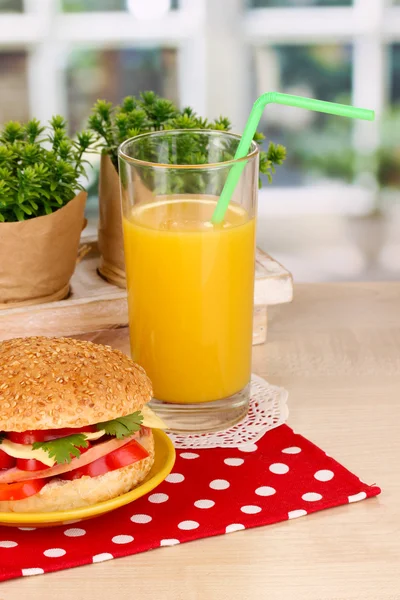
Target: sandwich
75, 428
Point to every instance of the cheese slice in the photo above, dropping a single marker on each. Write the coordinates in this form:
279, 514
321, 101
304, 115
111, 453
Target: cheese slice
26, 451
150, 419
95, 435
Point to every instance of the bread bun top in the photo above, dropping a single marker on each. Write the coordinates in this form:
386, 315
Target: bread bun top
50, 383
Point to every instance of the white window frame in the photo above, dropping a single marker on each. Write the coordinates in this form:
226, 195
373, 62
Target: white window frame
214, 37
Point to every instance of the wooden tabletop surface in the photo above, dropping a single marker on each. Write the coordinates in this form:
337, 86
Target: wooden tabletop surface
336, 348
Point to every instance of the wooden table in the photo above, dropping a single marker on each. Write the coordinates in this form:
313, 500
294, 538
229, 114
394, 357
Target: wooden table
336, 348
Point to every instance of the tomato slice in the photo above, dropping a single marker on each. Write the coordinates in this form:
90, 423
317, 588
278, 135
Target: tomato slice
54, 434
21, 490
30, 464
26, 437
45, 435
122, 457
6, 462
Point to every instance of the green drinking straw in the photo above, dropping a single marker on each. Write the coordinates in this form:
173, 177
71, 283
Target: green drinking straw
331, 108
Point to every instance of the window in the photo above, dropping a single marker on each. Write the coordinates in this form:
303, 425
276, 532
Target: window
13, 85
11, 6
114, 74
217, 56
318, 71
92, 5
109, 5
297, 3
395, 74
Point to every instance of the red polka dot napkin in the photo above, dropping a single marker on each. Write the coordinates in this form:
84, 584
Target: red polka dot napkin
209, 492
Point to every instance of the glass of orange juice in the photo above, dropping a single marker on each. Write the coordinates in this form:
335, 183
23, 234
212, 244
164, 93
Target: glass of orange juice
190, 282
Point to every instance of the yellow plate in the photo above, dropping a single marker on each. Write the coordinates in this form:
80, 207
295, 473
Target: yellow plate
163, 462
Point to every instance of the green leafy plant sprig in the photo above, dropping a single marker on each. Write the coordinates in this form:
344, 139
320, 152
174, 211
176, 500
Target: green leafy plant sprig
115, 124
331, 155
40, 168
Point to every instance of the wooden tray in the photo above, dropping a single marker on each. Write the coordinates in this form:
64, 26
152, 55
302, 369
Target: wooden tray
95, 305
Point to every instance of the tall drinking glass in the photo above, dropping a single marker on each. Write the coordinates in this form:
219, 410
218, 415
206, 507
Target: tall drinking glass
190, 283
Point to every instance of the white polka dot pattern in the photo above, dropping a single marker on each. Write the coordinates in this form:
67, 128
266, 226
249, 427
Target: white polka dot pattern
357, 497
204, 503
265, 490
248, 448
234, 462
122, 539
8, 544
169, 542
158, 498
219, 484
311, 497
188, 525
54, 552
102, 557
295, 514
234, 527
292, 450
324, 475
250, 509
279, 468
142, 519
219, 490
175, 478
32, 571
75, 532
189, 455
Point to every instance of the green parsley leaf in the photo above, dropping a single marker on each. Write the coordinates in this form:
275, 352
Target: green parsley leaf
63, 449
123, 426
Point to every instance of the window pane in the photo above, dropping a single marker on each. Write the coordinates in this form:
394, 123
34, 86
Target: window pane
297, 3
395, 72
106, 5
322, 72
92, 5
114, 74
11, 6
13, 86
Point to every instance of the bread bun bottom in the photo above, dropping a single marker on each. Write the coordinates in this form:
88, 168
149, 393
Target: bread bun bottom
66, 495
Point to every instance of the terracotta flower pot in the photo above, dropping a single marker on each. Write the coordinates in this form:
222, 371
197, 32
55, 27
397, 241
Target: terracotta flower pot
39, 255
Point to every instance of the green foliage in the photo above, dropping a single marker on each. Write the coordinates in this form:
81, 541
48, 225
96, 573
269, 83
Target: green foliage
40, 168
275, 155
123, 426
332, 155
149, 112
348, 164
388, 167
64, 449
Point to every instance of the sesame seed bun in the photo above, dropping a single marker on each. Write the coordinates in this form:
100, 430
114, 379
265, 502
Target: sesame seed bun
50, 383
65, 495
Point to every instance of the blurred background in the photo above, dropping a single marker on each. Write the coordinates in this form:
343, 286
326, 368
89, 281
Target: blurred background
332, 212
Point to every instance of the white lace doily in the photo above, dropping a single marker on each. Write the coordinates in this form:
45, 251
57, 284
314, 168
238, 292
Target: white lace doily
268, 409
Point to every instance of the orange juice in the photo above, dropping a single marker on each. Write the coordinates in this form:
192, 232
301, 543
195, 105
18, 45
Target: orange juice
190, 294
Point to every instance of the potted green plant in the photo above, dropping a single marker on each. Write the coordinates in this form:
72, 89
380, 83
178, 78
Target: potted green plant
42, 206
115, 124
